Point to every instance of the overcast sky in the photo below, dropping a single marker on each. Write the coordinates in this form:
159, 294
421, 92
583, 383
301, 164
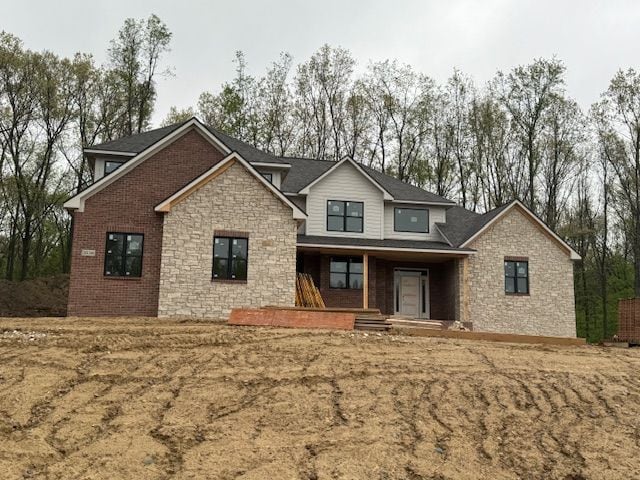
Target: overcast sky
593, 38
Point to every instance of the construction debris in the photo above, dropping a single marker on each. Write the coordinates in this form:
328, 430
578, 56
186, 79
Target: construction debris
307, 294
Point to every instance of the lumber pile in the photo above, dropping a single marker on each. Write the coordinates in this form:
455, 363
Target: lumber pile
307, 294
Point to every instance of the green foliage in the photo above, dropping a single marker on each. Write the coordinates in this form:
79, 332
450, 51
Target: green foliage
589, 304
51, 107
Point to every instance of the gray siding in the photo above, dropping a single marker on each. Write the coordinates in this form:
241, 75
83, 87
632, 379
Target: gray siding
345, 183
436, 214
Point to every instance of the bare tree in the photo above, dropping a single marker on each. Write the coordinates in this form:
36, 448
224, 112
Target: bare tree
622, 104
527, 92
134, 55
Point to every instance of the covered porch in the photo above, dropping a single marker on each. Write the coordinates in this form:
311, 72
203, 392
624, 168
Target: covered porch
413, 280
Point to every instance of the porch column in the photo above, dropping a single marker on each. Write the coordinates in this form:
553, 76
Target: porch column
365, 280
463, 289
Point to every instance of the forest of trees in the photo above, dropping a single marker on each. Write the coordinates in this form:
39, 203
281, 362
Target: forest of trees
520, 135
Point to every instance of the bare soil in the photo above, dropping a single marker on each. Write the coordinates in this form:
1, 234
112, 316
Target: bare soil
153, 399
38, 297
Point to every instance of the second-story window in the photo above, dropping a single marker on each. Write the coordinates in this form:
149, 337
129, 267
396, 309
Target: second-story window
268, 176
110, 166
414, 220
344, 216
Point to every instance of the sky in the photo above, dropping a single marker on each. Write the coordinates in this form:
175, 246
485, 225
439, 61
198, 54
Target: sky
593, 38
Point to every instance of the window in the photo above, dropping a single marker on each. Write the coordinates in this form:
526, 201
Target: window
230, 258
110, 166
346, 272
411, 220
344, 216
123, 255
268, 176
516, 277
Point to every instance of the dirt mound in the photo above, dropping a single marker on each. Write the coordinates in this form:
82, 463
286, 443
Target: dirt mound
39, 297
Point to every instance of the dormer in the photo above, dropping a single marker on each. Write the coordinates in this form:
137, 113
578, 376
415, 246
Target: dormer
103, 163
275, 173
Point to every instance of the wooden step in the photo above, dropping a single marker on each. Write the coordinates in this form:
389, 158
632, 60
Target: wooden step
376, 327
430, 324
374, 322
373, 318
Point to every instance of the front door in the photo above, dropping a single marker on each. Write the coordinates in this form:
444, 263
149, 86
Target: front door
410, 294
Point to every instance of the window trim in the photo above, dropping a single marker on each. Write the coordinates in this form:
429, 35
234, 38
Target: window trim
395, 228
347, 274
516, 260
228, 279
268, 176
124, 255
344, 217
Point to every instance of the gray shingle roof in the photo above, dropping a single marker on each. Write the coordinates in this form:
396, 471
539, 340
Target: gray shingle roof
371, 242
462, 224
303, 171
138, 142
404, 191
248, 152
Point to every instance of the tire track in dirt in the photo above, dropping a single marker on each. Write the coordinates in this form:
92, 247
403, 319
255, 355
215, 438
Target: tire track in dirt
315, 405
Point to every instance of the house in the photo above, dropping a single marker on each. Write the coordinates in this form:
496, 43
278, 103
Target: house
186, 221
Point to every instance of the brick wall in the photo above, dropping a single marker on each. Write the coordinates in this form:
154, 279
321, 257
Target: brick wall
127, 206
549, 308
381, 284
235, 200
629, 320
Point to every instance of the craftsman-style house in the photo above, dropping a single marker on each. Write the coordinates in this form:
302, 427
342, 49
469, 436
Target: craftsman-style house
187, 221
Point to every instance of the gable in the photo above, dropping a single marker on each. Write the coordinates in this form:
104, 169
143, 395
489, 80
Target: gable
214, 194
78, 201
346, 183
356, 168
219, 170
150, 182
345, 178
515, 225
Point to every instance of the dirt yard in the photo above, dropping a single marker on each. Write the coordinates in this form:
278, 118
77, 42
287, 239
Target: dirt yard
151, 399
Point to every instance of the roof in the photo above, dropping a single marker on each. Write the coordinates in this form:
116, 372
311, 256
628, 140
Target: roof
138, 142
301, 171
248, 152
405, 191
462, 224
77, 201
379, 243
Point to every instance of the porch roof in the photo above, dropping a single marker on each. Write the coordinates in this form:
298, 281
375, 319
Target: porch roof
373, 244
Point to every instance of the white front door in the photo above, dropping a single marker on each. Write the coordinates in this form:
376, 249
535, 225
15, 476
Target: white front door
410, 294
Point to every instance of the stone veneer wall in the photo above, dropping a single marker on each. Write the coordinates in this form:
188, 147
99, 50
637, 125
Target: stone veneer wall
237, 201
549, 309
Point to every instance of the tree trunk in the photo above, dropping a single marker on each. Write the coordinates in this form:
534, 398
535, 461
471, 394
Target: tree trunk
585, 299
532, 203
26, 246
11, 249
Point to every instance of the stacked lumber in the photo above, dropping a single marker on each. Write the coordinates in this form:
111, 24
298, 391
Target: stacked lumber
307, 294
368, 321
